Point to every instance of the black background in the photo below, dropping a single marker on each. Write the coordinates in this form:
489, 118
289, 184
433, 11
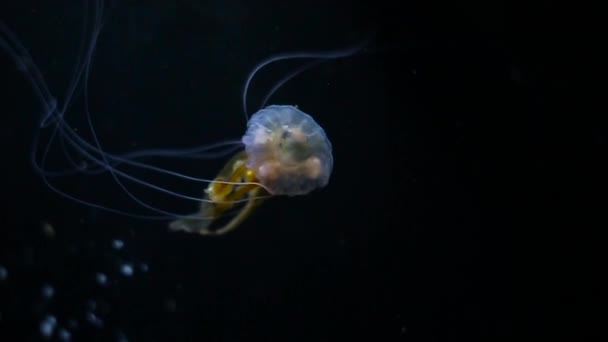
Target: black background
460, 148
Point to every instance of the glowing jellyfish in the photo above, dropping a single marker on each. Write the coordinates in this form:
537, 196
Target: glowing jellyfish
283, 151
286, 153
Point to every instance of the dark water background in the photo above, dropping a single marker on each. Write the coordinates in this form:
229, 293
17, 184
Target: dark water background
440, 222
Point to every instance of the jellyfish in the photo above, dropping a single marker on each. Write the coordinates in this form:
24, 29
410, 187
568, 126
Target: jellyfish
283, 151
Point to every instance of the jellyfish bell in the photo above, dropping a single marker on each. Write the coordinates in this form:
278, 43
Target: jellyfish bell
288, 151
283, 152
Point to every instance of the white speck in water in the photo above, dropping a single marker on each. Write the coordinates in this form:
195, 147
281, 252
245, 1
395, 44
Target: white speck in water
47, 326
117, 244
102, 279
144, 267
126, 270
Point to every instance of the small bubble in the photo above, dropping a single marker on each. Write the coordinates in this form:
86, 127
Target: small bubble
102, 279
47, 326
117, 244
64, 335
126, 270
3, 273
47, 291
46, 329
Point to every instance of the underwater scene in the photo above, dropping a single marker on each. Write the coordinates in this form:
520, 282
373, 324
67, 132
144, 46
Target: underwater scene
273, 171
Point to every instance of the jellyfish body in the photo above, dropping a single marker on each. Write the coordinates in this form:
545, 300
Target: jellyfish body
283, 151
286, 153
233, 184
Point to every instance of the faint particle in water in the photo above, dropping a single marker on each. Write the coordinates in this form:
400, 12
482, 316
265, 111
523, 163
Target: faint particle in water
3, 273
103, 308
171, 305
515, 74
72, 324
47, 291
48, 229
73, 249
94, 320
126, 270
27, 256
143, 267
91, 305
64, 335
47, 326
117, 244
83, 165
101, 279
46, 329
121, 337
